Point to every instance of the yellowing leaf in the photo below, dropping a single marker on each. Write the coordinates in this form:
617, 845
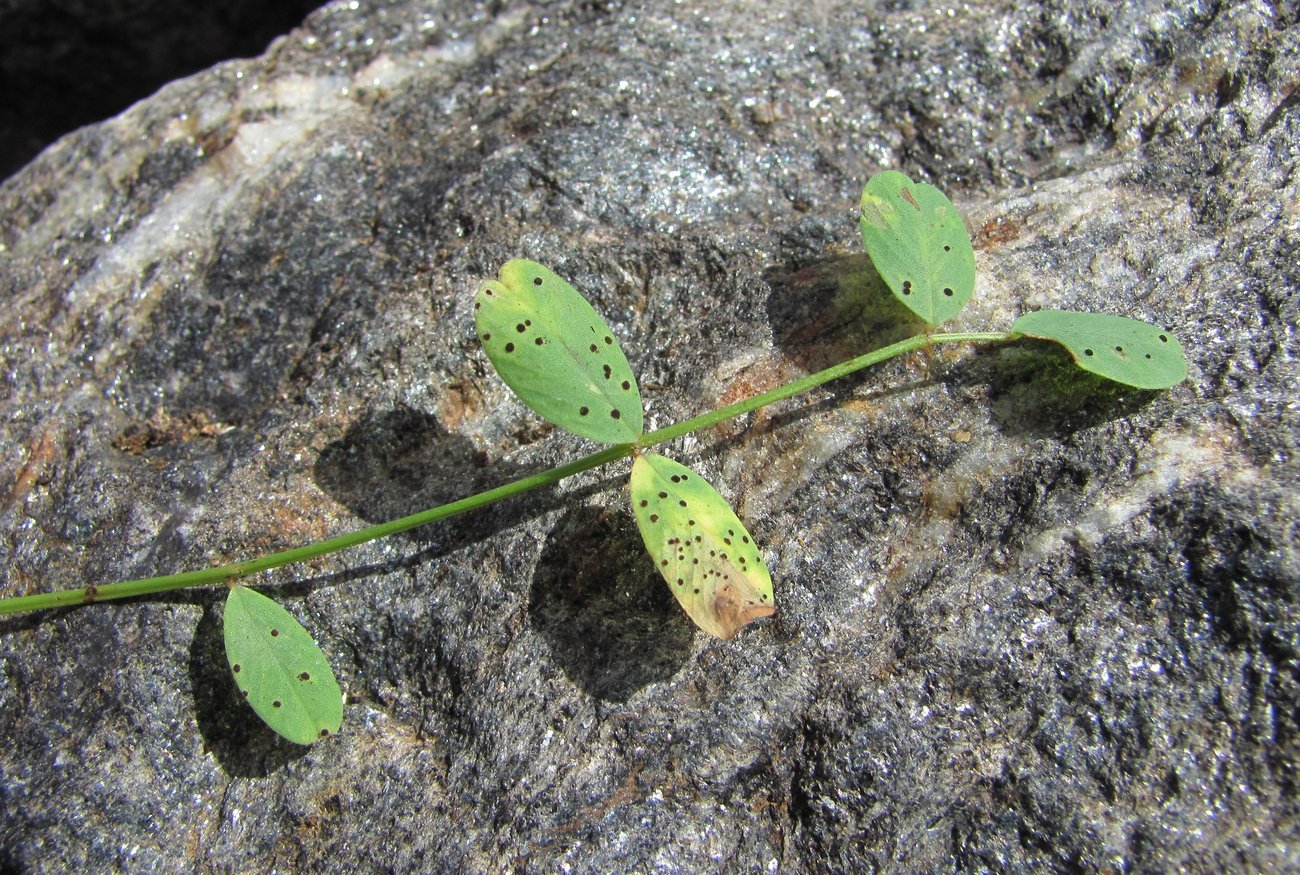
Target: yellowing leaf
699, 546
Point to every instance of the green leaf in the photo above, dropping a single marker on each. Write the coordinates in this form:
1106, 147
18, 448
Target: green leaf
1118, 348
699, 546
919, 245
557, 354
279, 669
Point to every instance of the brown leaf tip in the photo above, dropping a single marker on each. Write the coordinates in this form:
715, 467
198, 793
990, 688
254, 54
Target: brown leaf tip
734, 613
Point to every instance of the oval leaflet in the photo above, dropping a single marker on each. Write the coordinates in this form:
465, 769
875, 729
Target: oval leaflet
1118, 348
919, 244
555, 351
699, 546
279, 669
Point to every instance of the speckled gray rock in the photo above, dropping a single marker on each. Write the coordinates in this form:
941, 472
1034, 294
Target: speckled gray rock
1025, 622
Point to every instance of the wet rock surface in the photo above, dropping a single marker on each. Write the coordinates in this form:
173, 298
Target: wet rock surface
1025, 621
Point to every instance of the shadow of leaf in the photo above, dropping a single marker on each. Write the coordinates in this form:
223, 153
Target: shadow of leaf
611, 623
834, 309
1035, 389
397, 462
242, 744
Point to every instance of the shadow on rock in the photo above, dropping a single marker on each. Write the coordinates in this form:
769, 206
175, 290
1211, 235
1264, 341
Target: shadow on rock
401, 461
611, 623
242, 744
1036, 390
834, 309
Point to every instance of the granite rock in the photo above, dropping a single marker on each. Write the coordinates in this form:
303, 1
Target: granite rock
1025, 621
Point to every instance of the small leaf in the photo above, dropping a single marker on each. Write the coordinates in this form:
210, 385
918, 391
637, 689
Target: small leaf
919, 245
557, 354
279, 669
1115, 347
699, 546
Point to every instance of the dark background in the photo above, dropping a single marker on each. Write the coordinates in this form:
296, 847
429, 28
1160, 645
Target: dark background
67, 63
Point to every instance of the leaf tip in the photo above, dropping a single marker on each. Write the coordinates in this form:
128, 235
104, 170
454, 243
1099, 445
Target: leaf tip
734, 613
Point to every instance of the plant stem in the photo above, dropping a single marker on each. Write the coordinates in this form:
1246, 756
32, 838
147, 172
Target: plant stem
803, 384
235, 570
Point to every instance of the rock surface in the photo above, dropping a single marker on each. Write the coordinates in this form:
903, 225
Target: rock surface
1024, 621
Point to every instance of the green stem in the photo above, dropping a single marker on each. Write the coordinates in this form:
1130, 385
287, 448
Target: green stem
235, 570
803, 384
